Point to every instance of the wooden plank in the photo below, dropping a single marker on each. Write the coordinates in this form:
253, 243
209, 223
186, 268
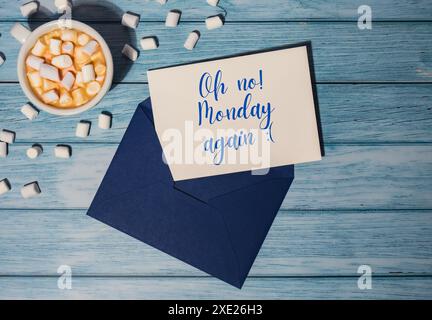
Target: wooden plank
391, 51
208, 288
350, 177
398, 113
300, 243
237, 10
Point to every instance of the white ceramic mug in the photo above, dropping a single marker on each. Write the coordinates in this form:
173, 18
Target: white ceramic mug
28, 39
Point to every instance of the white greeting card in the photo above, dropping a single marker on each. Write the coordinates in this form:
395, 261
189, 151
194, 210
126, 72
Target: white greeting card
247, 112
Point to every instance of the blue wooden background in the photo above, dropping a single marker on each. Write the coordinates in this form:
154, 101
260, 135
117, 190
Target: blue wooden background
368, 202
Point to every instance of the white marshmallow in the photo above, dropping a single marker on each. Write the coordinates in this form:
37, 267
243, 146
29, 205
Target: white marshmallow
214, 22
213, 3
148, 43
55, 46
2, 60
68, 47
34, 62
50, 96
93, 88
35, 79
172, 18
68, 35
62, 151
29, 8
30, 190
49, 72
88, 73
19, 32
162, 2
130, 52
38, 49
7, 136
34, 152
90, 47
3, 149
82, 129
83, 39
62, 61
65, 99
191, 40
130, 19
78, 79
4, 186
68, 81
29, 111
105, 120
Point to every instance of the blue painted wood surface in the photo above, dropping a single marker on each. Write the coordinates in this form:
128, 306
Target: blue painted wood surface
368, 202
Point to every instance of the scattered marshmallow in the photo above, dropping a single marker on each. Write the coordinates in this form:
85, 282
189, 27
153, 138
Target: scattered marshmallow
2, 59
35, 79
83, 39
88, 73
29, 111
148, 43
83, 129
130, 19
192, 40
29, 8
68, 81
50, 96
93, 88
90, 47
7, 136
172, 18
214, 22
34, 62
162, 2
4, 186
105, 120
34, 151
130, 52
38, 49
62, 151
67, 48
19, 32
213, 3
62, 61
55, 46
49, 72
3, 149
30, 190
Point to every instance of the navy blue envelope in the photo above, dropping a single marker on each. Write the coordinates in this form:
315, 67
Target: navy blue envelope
216, 224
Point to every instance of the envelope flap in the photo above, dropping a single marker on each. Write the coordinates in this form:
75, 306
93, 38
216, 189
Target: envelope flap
210, 187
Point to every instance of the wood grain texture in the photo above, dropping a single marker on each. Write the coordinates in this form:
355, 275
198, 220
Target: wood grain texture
300, 243
396, 113
390, 52
349, 177
208, 288
238, 10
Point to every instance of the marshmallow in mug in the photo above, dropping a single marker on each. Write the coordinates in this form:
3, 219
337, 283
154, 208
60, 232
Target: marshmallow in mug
30, 190
62, 68
7, 136
172, 18
4, 186
29, 111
